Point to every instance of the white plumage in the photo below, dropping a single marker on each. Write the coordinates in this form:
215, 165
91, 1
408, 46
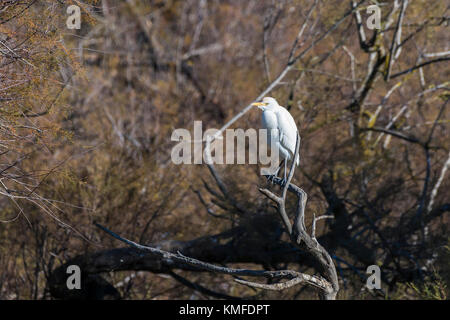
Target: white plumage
280, 124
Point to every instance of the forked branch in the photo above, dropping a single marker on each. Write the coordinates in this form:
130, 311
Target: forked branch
298, 233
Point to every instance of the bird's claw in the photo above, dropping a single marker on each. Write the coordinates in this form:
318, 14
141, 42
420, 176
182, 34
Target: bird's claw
271, 178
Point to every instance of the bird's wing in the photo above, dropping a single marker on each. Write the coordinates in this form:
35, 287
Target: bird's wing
270, 122
288, 130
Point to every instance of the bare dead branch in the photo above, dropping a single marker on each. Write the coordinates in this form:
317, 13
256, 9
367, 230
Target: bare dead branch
438, 184
423, 64
396, 41
315, 219
279, 274
395, 134
298, 234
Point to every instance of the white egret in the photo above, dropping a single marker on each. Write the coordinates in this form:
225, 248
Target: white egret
281, 128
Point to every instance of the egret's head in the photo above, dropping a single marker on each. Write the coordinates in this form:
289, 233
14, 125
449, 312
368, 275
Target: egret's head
267, 103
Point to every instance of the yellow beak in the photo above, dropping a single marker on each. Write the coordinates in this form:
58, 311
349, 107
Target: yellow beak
258, 104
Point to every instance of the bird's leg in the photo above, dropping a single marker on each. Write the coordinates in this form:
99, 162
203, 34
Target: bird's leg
272, 176
285, 171
283, 182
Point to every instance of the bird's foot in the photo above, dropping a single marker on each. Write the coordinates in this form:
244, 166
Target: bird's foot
271, 178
